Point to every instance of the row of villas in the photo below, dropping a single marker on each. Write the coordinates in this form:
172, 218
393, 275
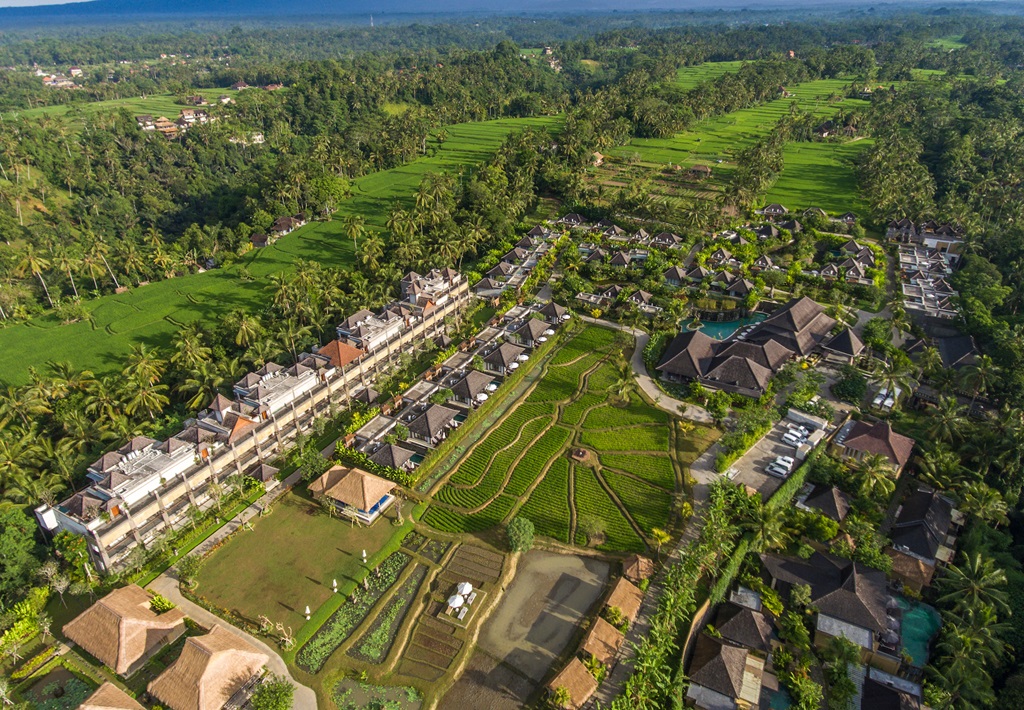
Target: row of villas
146, 488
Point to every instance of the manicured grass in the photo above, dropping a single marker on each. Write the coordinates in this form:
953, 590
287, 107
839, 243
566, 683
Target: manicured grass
288, 561
689, 77
153, 313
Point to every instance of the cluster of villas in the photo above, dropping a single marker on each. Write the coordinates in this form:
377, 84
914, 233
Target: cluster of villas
925, 273
170, 129
146, 488
409, 425
218, 668
852, 264
515, 267
729, 661
944, 238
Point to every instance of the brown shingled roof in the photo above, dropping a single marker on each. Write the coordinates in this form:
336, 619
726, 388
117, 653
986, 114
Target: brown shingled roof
603, 641
340, 354
352, 486
880, 438
627, 597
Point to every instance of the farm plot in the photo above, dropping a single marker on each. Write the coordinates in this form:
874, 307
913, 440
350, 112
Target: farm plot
689, 77
522, 466
375, 644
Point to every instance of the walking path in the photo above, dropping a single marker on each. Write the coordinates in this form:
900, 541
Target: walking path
647, 384
167, 585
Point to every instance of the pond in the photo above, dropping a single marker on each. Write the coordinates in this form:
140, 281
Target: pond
920, 623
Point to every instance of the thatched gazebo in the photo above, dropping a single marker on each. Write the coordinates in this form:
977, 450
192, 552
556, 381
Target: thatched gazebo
577, 681
603, 641
357, 493
210, 670
122, 632
109, 697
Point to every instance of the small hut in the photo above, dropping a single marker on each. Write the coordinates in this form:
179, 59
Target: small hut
578, 681
626, 597
603, 641
637, 568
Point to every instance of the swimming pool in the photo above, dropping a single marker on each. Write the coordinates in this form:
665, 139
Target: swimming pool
722, 330
920, 624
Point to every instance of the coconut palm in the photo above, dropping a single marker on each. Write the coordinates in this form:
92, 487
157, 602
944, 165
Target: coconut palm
146, 395
947, 420
975, 582
659, 537
144, 365
768, 525
31, 262
876, 472
983, 502
981, 377
355, 227
894, 374
64, 261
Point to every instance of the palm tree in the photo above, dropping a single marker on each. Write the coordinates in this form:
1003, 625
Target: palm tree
63, 261
876, 476
204, 382
355, 227
980, 377
660, 537
291, 334
146, 395
99, 250
941, 467
975, 582
983, 502
144, 365
373, 252
894, 375
768, 525
33, 263
624, 383
249, 328
947, 420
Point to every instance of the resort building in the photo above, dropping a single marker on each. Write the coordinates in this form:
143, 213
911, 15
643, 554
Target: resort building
858, 439
121, 631
109, 697
746, 362
723, 676
142, 491
923, 536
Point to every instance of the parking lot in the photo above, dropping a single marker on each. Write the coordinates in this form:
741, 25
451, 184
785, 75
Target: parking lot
750, 467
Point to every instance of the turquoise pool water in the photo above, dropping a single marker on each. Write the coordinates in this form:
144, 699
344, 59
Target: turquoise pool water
777, 700
721, 331
920, 623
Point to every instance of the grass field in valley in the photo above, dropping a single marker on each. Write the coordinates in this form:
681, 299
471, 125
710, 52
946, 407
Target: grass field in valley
815, 174
522, 465
153, 313
156, 104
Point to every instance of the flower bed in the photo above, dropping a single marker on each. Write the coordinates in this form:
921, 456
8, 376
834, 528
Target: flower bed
315, 652
374, 645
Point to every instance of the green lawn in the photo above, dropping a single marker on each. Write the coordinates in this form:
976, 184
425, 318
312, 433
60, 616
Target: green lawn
689, 77
153, 313
288, 561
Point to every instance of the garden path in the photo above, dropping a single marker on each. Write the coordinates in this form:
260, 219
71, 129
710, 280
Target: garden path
167, 585
647, 384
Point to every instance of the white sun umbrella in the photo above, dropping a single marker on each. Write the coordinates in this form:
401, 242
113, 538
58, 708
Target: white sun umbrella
455, 601
542, 339
513, 366
492, 387
523, 358
481, 397
549, 332
465, 588
566, 316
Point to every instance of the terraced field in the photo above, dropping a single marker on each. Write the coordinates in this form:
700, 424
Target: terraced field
689, 77
626, 484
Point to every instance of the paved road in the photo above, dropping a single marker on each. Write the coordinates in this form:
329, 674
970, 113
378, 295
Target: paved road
167, 585
647, 384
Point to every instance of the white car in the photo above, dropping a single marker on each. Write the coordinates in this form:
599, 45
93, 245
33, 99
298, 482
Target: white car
786, 461
777, 470
793, 439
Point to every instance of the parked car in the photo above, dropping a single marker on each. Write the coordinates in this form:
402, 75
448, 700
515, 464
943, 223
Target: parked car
776, 469
786, 461
793, 438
